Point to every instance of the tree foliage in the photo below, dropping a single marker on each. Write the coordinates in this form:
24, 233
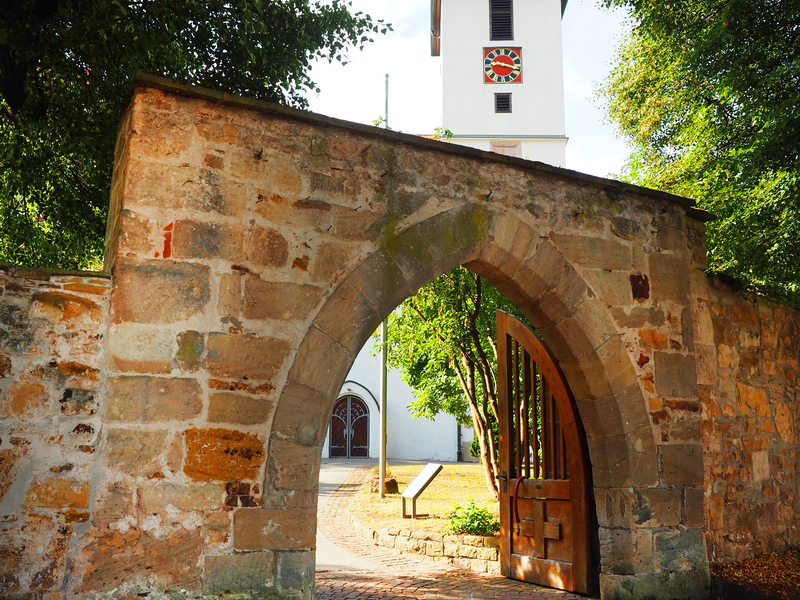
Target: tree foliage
708, 94
443, 341
65, 69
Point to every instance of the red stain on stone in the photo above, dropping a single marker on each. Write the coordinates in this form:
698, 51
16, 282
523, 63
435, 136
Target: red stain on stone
167, 241
158, 254
643, 359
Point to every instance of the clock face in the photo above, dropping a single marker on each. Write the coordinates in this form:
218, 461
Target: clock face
502, 65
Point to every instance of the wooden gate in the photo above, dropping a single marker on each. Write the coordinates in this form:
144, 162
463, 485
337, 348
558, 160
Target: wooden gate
349, 428
545, 480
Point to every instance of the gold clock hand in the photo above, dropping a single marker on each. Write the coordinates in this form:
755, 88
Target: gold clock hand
497, 63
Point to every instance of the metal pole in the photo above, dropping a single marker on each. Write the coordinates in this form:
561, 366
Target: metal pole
382, 466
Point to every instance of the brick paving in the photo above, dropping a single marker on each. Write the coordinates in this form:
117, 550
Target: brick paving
413, 578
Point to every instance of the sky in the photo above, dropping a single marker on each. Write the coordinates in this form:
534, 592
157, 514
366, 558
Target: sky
356, 91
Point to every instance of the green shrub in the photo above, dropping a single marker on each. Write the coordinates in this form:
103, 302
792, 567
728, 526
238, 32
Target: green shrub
471, 519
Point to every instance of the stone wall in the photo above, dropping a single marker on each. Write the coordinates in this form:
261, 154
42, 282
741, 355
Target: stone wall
478, 553
163, 430
750, 398
52, 355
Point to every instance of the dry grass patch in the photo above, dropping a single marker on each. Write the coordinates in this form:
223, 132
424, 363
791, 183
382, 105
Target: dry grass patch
456, 484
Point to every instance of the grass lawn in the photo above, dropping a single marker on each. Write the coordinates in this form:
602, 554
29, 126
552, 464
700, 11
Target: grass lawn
456, 484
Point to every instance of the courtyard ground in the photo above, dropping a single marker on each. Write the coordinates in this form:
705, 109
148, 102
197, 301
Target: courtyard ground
397, 576
457, 483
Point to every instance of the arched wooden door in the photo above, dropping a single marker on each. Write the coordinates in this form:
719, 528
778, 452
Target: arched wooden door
545, 485
349, 428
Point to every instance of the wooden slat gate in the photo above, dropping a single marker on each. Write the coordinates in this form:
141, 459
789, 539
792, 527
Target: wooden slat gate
545, 483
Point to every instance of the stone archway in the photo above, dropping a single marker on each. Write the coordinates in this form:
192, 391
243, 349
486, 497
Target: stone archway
255, 248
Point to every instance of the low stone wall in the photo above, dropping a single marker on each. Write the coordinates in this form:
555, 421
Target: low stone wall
477, 553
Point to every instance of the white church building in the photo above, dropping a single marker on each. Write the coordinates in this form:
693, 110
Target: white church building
502, 91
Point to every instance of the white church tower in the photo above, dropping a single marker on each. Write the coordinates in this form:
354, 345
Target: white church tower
502, 75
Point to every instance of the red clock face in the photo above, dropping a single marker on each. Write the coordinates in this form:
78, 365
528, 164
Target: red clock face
502, 65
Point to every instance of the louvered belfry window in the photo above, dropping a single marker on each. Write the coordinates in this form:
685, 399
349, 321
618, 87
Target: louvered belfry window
502, 103
501, 19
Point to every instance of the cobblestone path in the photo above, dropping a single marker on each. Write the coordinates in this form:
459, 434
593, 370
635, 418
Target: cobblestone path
411, 578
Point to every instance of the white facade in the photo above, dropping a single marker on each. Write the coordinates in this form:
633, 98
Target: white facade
534, 129
407, 437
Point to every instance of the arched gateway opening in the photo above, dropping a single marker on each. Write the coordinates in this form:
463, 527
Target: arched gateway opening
275, 241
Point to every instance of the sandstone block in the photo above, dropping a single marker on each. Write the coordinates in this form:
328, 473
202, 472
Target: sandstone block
152, 399
302, 415
159, 291
347, 317
68, 309
277, 207
156, 499
278, 300
239, 408
683, 464
295, 467
487, 554
112, 504
248, 572
680, 551
658, 507
320, 363
134, 451
611, 287
24, 399
294, 573
237, 356
668, 277
135, 235
58, 493
230, 295
783, 422
676, 375
331, 262
197, 239
191, 350
266, 247
751, 400
761, 466
434, 548
9, 459
693, 514
592, 252
194, 188
172, 562
381, 281
140, 348
222, 454
274, 529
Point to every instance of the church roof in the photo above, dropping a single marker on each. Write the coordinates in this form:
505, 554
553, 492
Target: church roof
436, 25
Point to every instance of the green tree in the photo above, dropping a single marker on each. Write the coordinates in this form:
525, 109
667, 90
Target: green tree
443, 341
707, 92
65, 69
